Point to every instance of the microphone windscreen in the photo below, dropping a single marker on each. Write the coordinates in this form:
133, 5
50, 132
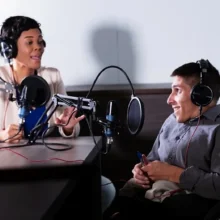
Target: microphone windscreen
135, 115
38, 90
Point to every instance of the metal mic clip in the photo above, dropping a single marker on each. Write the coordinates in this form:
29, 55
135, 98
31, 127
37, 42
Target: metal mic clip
11, 98
9, 88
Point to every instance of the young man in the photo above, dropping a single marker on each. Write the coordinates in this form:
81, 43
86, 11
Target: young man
182, 176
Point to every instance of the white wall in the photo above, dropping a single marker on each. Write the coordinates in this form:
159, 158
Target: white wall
148, 38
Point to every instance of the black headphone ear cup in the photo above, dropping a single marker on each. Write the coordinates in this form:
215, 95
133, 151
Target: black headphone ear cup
201, 95
7, 48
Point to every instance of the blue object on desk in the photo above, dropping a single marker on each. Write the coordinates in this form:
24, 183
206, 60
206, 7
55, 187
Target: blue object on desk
32, 118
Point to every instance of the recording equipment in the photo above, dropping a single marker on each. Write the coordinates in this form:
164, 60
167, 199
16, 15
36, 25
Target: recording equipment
111, 123
61, 100
38, 90
8, 48
135, 110
202, 94
8, 88
135, 113
24, 108
111, 117
35, 92
11, 88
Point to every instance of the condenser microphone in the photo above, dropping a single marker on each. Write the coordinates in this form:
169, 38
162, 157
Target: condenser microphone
24, 107
111, 122
135, 111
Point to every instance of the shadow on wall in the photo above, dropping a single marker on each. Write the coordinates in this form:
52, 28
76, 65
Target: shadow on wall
112, 45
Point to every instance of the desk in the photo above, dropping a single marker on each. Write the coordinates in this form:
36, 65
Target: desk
38, 190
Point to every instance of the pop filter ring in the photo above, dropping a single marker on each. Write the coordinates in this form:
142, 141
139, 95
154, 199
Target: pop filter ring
135, 126
132, 130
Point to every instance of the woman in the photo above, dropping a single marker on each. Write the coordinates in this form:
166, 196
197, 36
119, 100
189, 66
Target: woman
22, 44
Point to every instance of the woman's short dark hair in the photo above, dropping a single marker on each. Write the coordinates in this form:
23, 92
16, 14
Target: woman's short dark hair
13, 26
11, 30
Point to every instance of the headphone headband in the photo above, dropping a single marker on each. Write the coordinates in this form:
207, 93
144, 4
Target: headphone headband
203, 65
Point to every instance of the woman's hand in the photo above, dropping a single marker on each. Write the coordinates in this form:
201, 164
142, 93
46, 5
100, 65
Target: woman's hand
9, 132
64, 117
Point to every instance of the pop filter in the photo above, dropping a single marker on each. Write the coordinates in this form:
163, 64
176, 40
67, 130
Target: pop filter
135, 115
38, 90
135, 111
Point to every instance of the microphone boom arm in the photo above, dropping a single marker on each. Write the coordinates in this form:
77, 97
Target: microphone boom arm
61, 100
84, 103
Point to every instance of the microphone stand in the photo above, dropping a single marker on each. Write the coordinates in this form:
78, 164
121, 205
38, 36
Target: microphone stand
9, 88
110, 130
60, 100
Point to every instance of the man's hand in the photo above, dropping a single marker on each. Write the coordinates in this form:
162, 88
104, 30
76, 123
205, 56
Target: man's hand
162, 171
64, 117
10, 131
139, 177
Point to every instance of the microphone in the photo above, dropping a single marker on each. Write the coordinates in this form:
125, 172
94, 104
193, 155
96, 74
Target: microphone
24, 107
111, 115
110, 124
135, 112
35, 92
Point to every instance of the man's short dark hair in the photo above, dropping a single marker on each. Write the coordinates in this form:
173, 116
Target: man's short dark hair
191, 73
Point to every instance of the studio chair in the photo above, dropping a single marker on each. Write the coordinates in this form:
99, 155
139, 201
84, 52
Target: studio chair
108, 193
214, 212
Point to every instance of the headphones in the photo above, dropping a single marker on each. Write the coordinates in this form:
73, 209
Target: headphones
201, 94
8, 48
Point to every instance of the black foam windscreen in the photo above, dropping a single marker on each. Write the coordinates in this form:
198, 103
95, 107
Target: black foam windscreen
135, 115
38, 90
